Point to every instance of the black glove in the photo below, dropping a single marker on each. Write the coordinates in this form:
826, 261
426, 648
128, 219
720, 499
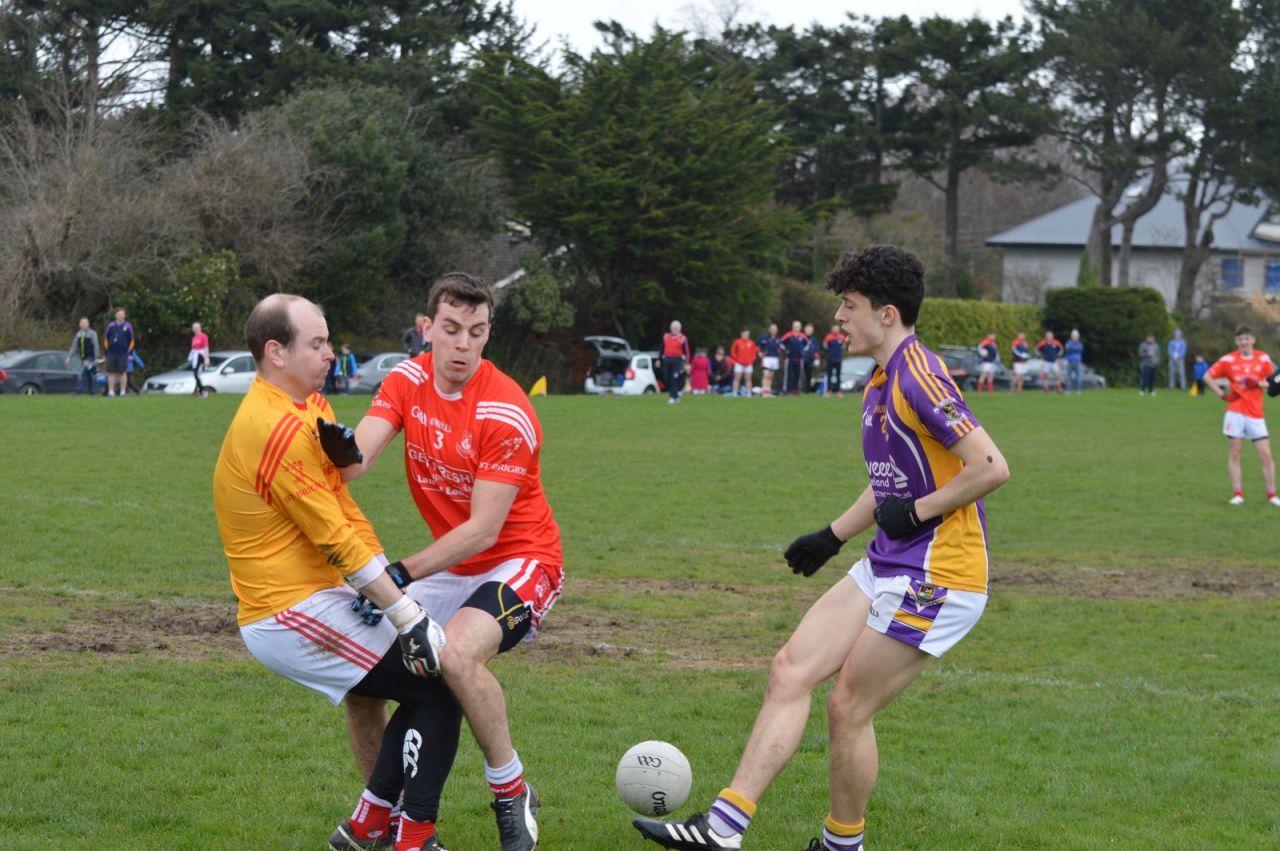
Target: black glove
897, 516
1273, 384
339, 443
420, 648
809, 552
368, 612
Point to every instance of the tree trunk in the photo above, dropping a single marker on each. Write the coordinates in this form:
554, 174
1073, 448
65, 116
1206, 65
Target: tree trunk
1126, 250
952, 228
1128, 217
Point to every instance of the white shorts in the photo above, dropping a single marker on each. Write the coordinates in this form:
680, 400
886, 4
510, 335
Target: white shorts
1051, 368
770, 363
320, 643
928, 617
442, 594
987, 368
1237, 425
742, 368
1019, 368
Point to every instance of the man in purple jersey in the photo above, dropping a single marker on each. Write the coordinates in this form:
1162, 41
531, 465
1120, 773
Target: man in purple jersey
920, 588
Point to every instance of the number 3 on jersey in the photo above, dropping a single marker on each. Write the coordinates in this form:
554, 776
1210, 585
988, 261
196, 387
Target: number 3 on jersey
439, 441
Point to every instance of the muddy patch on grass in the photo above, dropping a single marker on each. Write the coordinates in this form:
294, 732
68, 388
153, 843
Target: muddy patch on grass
1249, 583
112, 627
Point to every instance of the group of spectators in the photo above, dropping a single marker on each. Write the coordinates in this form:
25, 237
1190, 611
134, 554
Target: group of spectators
797, 354
121, 358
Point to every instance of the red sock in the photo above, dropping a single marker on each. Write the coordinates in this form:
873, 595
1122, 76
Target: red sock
508, 790
1271, 494
1239, 493
370, 819
413, 834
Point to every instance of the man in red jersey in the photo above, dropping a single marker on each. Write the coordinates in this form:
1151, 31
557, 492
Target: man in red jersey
675, 361
743, 354
1248, 370
494, 569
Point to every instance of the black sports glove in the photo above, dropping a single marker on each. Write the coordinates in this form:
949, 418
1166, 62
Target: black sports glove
364, 607
809, 552
897, 516
339, 443
420, 648
1273, 384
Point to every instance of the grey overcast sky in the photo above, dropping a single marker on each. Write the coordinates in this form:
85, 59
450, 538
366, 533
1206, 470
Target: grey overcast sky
557, 20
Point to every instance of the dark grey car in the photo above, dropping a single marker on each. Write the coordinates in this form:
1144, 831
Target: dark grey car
374, 369
34, 371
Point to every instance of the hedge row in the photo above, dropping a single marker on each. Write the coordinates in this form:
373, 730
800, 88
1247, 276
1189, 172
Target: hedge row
950, 321
1112, 321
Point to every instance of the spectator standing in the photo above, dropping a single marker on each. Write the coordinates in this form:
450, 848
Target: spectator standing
414, 338
84, 347
1021, 354
989, 358
120, 341
796, 343
770, 352
198, 357
812, 355
1075, 361
699, 373
743, 355
1198, 369
1149, 361
833, 344
1050, 349
345, 369
1177, 349
675, 360
1248, 370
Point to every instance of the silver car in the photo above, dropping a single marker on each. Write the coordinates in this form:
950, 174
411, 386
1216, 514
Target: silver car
228, 372
371, 371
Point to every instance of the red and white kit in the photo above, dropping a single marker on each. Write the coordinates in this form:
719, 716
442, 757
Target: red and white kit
488, 431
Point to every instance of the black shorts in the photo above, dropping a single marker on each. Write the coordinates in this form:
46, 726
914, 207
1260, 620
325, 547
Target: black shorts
117, 363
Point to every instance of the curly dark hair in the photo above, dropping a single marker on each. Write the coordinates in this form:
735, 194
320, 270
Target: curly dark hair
885, 274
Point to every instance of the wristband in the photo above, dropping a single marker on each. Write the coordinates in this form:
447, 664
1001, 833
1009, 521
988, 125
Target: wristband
404, 613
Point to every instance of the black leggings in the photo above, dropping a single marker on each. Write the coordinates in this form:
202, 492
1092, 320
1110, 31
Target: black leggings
421, 739
199, 368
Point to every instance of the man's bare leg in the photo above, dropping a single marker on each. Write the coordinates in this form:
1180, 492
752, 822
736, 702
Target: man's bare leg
1233, 465
473, 637
876, 672
816, 651
366, 722
1268, 463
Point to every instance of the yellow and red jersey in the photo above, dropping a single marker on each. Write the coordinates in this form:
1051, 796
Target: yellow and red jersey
288, 523
487, 431
1248, 378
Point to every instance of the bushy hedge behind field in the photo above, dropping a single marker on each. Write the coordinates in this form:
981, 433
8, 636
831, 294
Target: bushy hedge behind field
1112, 322
965, 322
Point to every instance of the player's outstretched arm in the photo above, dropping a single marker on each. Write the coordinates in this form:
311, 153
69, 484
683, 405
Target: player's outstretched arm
809, 552
372, 436
985, 469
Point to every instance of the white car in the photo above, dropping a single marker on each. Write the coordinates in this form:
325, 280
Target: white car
228, 372
620, 371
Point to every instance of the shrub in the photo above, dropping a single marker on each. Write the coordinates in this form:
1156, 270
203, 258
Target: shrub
1112, 322
965, 322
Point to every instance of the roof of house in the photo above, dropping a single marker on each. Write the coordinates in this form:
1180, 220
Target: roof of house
1246, 227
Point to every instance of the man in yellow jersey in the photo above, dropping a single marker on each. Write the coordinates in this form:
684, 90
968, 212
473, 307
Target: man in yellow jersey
299, 550
920, 588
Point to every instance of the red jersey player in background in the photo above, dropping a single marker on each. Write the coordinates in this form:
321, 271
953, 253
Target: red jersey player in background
1248, 370
494, 569
743, 354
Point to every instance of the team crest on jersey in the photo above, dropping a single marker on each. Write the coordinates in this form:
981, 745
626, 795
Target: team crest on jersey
947, 407
511, 446
465, 449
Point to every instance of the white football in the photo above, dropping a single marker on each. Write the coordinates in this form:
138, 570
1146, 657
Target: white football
654, 778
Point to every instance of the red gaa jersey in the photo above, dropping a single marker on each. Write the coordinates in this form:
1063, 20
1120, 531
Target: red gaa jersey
488, 431
1248, 377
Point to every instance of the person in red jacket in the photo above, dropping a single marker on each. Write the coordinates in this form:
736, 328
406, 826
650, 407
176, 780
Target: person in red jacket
675, 360
743, 354
700, 373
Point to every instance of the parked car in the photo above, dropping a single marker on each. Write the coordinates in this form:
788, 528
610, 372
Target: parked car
373, 369
618, 370
1089, 379
965, 365
30, 372
854, 372
228, 372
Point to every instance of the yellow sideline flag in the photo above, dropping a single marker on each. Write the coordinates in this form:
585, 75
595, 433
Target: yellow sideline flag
539, 387
1195, 389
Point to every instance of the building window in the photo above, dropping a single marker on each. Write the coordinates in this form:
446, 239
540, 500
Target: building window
1272, 281
1230, 276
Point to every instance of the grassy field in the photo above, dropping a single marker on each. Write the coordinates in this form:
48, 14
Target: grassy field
1120, 692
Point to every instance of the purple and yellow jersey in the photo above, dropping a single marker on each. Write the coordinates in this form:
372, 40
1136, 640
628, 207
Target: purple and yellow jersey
912, 413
